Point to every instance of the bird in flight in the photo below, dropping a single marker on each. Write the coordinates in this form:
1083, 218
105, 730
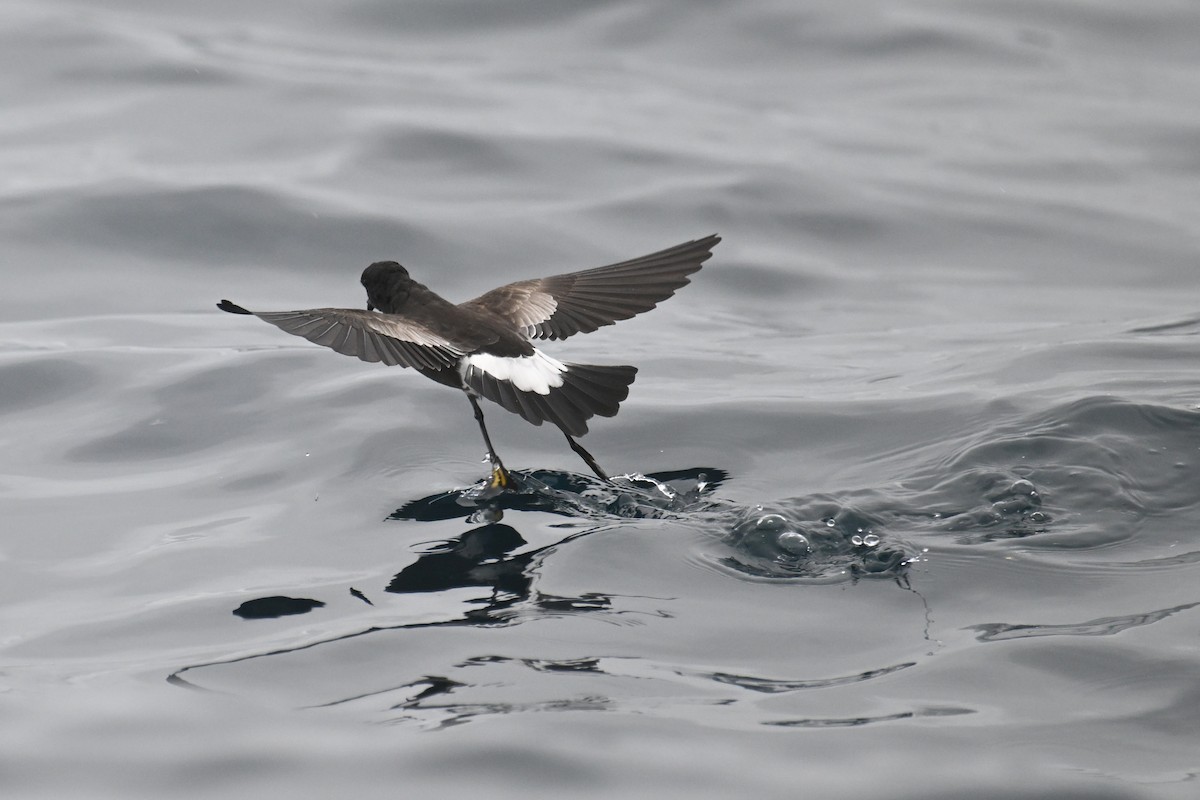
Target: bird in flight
484, 346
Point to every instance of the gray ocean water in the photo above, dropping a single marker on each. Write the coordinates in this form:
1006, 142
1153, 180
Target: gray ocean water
925, 431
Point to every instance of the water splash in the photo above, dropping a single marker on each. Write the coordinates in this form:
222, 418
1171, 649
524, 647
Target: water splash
838, 544
633, 496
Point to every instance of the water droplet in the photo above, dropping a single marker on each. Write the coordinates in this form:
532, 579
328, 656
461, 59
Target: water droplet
871, 540
856, 540
830, 522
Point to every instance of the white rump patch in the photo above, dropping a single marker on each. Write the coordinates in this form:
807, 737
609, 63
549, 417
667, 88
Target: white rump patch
538, 373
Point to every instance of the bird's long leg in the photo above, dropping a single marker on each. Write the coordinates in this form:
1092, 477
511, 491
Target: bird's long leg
585, 455
500, 475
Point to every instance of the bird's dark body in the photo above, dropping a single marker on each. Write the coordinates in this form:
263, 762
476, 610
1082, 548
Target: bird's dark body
484, 346
390, 290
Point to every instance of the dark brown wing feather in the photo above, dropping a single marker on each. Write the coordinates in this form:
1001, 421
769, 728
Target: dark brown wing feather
580, 302
365, 334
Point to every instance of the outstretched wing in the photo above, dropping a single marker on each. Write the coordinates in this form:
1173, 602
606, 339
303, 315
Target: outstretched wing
365, 334
581, 302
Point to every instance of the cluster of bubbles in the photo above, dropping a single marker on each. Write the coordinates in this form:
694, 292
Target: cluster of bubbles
779, 544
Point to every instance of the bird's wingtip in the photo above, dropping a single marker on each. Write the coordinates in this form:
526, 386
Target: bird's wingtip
232, 308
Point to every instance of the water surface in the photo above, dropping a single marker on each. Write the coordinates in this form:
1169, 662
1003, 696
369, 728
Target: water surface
925, 430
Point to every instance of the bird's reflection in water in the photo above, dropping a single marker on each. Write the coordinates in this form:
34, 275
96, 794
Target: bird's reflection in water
480, 557
484, 557
487, 555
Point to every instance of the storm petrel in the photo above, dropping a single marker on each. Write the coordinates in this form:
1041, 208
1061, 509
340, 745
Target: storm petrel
484, 347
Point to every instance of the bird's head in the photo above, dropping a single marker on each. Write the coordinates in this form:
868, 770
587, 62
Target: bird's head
387, 284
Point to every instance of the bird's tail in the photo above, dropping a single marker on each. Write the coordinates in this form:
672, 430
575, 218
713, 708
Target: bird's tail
586, 390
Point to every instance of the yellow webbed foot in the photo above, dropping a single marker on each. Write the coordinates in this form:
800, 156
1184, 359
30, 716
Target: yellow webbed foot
500, 478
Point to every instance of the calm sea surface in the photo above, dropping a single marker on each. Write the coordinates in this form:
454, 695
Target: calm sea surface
924, 433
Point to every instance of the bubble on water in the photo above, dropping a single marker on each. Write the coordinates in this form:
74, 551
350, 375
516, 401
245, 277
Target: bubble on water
871, 540
1024, 487
856, 540
794, 543
771, 522
830, 522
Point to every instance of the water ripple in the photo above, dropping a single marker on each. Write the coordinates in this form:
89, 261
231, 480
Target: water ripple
1105, 626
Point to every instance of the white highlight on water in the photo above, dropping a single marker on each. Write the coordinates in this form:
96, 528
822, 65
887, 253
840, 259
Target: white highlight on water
538, 373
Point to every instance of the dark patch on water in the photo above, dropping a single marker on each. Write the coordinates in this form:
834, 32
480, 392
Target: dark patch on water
1105, 626
276, 606
854, 722
1188, 327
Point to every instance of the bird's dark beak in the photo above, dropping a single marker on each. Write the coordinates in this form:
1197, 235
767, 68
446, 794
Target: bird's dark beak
370, 307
